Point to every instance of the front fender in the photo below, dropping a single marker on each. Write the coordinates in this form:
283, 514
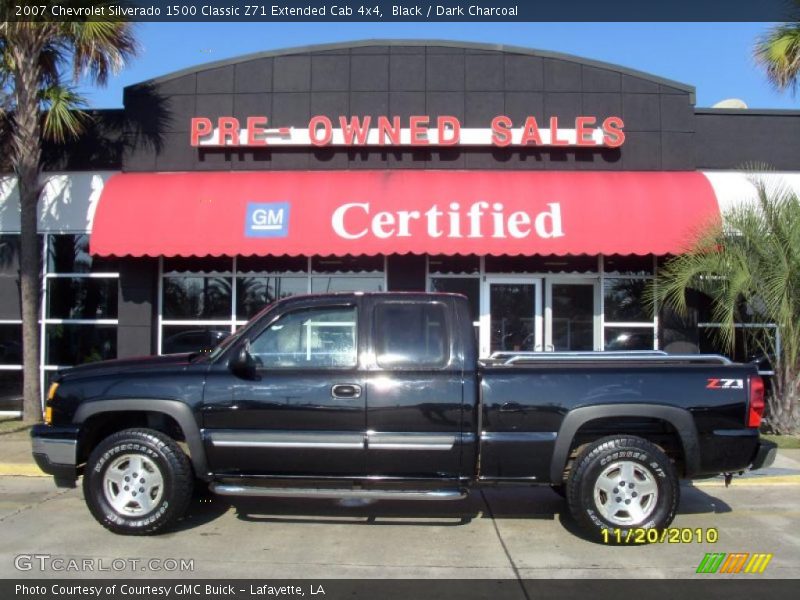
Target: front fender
179, 411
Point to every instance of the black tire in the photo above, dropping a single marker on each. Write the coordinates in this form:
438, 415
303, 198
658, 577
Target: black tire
649, 501
166, 495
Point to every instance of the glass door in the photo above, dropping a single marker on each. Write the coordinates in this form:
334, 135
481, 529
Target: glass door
511, 315
572, 315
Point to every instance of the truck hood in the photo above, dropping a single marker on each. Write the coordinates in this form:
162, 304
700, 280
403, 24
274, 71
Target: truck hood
127, 365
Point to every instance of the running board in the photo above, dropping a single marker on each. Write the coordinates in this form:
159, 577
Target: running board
281, 492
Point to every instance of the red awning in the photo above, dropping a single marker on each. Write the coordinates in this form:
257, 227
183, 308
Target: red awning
397, 212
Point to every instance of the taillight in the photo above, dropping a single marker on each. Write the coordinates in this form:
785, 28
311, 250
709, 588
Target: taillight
756, 404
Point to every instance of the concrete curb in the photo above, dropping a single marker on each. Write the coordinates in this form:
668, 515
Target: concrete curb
751, 481
21, 470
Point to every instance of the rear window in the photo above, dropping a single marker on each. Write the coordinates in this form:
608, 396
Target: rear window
411, 335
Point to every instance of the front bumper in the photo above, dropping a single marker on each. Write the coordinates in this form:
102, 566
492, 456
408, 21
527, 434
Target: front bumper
55, 450
765, 455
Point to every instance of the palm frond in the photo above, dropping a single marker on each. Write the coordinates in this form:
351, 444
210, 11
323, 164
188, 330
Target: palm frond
778, 53
99, 47
63, 117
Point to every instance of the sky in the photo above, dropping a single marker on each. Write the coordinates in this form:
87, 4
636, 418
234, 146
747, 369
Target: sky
716, 58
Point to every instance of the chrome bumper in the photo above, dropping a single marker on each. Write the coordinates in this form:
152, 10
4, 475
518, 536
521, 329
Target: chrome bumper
55, 450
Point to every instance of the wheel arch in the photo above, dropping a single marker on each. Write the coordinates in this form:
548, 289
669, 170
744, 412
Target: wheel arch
680, 419
179, 412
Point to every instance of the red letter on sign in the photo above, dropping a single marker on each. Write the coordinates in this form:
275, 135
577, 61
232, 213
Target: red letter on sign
390, 131
355, 130
201, 127
228, 129
554, 139
447, 124
256, 126
314, 124
419, 130
614, 136
583, 131
530, 132
501, 131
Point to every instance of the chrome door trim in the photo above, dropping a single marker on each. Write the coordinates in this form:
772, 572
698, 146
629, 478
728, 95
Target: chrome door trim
518, 436
247, 438
401, 440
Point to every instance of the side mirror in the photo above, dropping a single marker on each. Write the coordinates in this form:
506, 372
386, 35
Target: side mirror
243, 363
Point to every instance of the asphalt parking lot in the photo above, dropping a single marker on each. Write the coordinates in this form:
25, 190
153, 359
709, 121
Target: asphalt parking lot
496, 533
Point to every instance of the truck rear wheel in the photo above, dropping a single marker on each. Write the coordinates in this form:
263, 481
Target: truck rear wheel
622, 483
137, 482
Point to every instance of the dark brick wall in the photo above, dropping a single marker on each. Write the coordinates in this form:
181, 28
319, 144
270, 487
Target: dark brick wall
735, 139
138, 297
471, 84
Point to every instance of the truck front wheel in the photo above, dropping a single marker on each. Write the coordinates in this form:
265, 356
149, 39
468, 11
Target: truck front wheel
622, 483
137, 482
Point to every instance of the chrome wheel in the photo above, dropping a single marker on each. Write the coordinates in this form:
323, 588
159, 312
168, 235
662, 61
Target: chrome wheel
133, 485
626, 493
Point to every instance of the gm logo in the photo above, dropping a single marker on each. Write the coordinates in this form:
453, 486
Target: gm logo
267, 219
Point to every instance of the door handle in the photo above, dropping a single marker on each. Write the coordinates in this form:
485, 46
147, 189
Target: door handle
512, 407
346, 390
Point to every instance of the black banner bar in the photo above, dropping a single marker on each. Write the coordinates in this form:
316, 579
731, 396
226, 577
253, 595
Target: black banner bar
711, 588
402, 10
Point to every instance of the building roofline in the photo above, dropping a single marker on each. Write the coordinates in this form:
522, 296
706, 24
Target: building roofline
422, 42
773, 112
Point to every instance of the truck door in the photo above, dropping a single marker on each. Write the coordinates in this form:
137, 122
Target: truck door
302, 413
414, 390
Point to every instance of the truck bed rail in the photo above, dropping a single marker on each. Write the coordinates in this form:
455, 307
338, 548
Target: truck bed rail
638, 356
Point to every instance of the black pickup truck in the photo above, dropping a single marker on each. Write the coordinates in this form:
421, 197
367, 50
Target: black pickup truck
383, 396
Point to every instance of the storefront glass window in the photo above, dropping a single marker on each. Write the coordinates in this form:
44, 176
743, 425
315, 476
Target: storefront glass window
324, 285
196, 338
629, 338
70, 254
11, 390
254, 293
624, 299
10, 325
205, 299
71, 344
9, 255
197, 297
11, 344
9, 278
468, 286
82, 298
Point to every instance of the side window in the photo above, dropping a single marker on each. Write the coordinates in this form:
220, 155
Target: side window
315, 337
411, 335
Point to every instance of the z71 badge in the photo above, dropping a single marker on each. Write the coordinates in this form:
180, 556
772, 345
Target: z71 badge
725, 384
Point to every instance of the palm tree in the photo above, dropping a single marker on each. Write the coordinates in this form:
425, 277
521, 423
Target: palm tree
752, 258
34, 57
778, 51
